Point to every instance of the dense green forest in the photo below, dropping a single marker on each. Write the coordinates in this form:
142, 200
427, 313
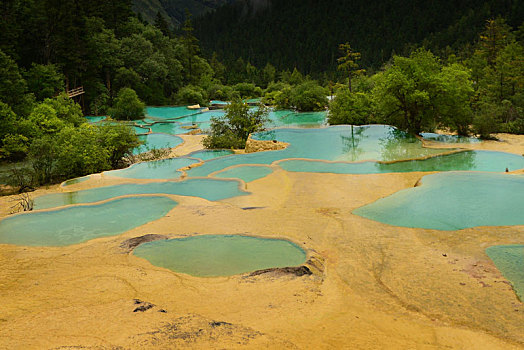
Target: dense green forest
464, 72
306, 33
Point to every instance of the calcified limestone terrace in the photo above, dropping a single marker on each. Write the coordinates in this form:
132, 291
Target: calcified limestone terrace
373, 286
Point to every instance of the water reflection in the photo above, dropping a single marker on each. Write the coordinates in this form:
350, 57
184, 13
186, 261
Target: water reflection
351, 143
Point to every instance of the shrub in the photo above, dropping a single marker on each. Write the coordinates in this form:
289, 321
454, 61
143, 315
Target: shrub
350, 108
233, 129
127, 105
191, 95
309, 96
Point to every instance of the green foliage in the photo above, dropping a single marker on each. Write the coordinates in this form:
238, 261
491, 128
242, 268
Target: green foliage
350, 108
77, 151
233, 129
415, 93
14, 146
66, 109
247, 90
44, 120
13, 88
127, 105
308, 96
222, 92
44, 81
348, 62
191, 95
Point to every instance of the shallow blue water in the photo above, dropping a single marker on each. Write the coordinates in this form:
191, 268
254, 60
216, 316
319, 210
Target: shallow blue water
467, 161
453, 201
210, 154
79, 224
221, 255
95, 118
246, 173
336, 143
448, 138
509, 259
157, 141
173, 128
210, 189
168, 112
158, 169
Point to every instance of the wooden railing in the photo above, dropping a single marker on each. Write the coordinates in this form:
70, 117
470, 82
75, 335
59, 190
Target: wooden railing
76, 92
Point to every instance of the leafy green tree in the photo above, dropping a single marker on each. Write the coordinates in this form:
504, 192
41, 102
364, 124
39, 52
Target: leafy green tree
66, 109
119, 140
309, 96
44, 81
350, 108
127, 105
190, 44
268, 74
218, 68
496, 36
452, 99
233, 129
15, 147
104, 51
348, 62
80, 152
247, 90
403, 93
42, 157
191, 94
13, 87
44, 120
296, 77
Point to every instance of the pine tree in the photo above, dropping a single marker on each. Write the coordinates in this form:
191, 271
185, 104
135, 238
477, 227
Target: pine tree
348, 62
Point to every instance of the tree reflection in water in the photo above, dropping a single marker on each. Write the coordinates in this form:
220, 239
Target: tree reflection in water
351, 143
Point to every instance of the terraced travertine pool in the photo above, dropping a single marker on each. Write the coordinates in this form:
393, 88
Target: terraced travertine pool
453, 201
210, 189
221, 255
465, 196
82, 223
158, 169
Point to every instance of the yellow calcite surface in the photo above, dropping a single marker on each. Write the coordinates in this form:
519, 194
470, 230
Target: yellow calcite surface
375, 286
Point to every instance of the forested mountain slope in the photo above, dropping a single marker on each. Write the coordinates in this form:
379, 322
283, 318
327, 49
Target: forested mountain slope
306, 33
174, 10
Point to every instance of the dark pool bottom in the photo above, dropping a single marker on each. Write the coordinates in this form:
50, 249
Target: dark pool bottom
221, 255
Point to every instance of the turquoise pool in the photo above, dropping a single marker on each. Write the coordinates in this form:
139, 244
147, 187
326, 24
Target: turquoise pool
172, 128
247, 173
79, 224
168, 112
157, 141
336, 143
430, 136
453, 201
280, 118
509, 259
467, 161
217, 255
210, 189
95, 118
158, 169
210, 154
